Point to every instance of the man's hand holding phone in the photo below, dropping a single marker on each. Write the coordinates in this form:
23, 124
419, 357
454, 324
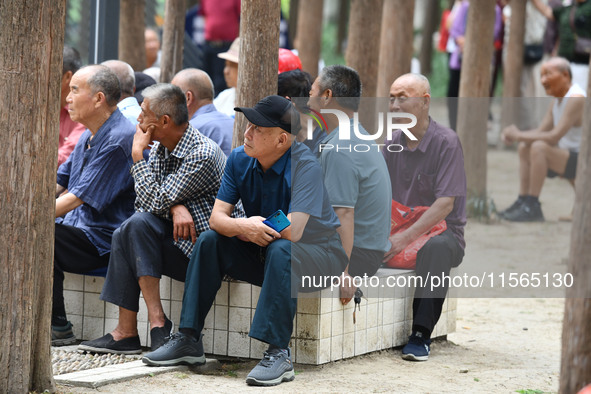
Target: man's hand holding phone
255, 231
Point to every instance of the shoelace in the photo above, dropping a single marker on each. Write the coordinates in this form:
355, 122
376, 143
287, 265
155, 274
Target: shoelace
268, 359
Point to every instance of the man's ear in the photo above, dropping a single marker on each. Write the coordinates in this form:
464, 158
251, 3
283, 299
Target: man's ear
100, 98
190, 97
326, 97
166, 121
426, 100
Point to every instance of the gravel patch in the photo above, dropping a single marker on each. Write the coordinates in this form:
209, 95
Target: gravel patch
66, 361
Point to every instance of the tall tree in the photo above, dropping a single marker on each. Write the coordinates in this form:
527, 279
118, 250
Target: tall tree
432, 14
395, 43
513, 63
575, 368
258, 59
31, 42
475, 82
172, 39
363, 49
309, 34
342, 25
293, 20
131, 33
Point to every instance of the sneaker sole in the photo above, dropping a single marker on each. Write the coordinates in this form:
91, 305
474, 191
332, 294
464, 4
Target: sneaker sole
412, 357
63, 342
105, 350
287, 376
186, 360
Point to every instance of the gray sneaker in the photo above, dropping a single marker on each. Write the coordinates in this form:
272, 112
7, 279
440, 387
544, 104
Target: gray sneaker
275, 367
177, 349
62, 335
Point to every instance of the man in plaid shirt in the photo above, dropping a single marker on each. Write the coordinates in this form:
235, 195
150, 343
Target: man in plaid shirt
176, 189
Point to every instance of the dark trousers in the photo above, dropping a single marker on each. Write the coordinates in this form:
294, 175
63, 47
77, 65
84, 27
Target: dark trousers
142, 246
73, 252
277, 268
436, 258
453, 92
214, 66
365, 261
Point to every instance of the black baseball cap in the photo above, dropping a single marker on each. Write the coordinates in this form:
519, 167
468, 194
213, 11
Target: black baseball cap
273, 111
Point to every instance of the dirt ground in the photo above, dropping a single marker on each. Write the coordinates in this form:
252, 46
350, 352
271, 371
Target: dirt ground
501, 345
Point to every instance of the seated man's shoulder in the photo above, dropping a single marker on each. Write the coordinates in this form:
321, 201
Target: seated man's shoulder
446, 137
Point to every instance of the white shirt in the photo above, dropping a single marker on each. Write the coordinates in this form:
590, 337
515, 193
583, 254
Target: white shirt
572, 139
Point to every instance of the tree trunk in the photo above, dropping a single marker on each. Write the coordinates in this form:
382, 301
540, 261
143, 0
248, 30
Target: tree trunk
31, 42
342, 25
475, 82
131, 33
293, 20
309, 34
575, 366
432, 16
513, 64
172, 39
395, 43
259, 62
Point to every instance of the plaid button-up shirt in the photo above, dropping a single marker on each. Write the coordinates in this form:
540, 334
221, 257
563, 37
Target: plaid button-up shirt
190, 175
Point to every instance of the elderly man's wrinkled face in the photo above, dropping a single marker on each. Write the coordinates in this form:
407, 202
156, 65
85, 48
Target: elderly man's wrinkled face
261, 142
149, 122
406, 95
553, 80
81, 101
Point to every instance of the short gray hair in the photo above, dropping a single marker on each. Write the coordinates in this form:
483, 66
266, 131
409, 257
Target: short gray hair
104, 80
167, 99
345, 84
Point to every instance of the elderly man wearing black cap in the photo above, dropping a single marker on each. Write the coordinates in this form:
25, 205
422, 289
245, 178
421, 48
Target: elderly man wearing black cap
270, 172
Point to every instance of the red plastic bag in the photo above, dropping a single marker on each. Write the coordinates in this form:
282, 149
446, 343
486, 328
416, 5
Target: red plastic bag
402, 218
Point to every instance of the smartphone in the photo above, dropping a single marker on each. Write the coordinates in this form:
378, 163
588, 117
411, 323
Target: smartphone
277, 221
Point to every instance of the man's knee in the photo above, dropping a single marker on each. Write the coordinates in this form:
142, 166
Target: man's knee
539, 148
523, 149
279, 250
137, 222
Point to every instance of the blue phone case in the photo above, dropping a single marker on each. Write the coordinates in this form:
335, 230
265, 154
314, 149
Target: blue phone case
277, 221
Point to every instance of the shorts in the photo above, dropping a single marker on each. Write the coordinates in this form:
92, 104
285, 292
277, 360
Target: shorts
571, 167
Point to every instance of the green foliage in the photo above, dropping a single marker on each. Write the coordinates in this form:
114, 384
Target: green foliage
329, 45
529, 391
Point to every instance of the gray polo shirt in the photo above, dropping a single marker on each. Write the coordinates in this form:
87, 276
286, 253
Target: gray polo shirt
434, 169
356, 176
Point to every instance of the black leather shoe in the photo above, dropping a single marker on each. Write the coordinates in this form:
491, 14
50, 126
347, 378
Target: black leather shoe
106, 344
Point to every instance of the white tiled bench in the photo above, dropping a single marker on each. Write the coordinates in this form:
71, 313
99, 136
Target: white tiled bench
323, 328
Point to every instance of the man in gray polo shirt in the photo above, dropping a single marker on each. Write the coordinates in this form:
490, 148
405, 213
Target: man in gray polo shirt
427, 172
356, 177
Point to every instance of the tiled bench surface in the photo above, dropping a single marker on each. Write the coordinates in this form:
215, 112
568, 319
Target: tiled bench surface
323, 328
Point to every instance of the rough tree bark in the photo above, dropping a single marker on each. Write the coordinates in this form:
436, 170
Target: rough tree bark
432, 15
342, 25
172, 39
513, 64
475, 82
131, 33
395, 43
31, 42
309, 34
575, 366
258, 65
293, 20
363, 50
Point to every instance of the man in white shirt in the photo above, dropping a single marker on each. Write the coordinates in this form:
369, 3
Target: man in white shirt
552, 148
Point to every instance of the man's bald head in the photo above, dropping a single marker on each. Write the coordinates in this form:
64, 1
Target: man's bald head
418, 82
560, 64
196, 81
125, 75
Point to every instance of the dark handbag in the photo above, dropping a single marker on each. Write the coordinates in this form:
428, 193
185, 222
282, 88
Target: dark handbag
582, 44
532, 53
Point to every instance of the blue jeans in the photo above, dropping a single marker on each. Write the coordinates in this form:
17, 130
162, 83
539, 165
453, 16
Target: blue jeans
277, 269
